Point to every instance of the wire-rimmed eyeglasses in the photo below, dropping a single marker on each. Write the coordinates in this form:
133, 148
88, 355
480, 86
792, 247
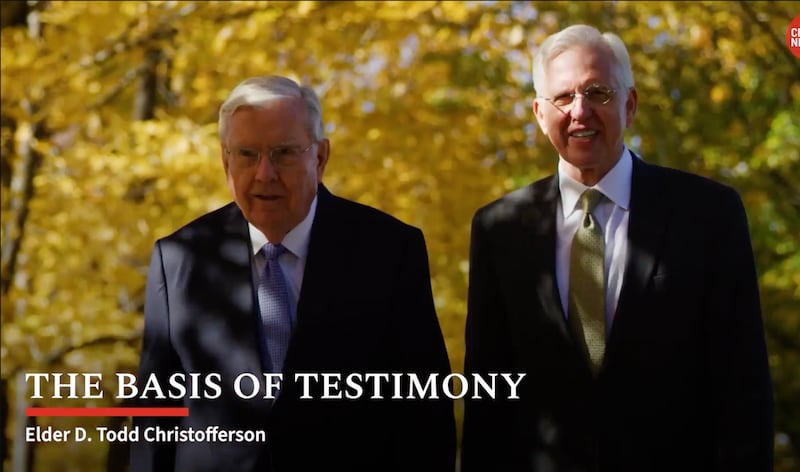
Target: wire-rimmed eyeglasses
595, 94
280, 157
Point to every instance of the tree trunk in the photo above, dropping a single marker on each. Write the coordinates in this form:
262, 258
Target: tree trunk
23, 457
145, 104
118, 451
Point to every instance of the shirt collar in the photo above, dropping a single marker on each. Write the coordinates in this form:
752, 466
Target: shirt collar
295, 241
615, 185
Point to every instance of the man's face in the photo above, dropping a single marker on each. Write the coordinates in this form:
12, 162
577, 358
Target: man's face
273, 198
588, 135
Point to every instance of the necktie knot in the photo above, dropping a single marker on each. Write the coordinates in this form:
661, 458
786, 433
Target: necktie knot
273, 251
589, 199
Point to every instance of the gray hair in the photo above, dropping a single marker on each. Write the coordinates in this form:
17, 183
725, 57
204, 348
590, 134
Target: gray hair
258, 91
588, 36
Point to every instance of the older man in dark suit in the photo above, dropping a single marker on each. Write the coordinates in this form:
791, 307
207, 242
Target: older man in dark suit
290, 279
626, 291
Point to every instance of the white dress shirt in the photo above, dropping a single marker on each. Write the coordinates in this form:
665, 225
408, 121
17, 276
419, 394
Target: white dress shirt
612, 213
292, 261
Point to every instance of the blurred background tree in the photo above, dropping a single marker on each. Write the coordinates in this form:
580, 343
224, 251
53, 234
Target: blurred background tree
109, 142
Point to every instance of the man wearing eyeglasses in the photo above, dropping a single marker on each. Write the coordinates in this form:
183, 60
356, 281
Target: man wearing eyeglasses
625, 291
291, 280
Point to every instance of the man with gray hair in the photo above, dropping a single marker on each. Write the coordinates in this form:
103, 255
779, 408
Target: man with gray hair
627, 292
289, 281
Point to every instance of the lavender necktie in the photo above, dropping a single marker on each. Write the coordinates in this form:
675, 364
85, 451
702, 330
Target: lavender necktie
273, 298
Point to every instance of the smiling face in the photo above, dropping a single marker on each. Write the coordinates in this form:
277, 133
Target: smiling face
588, 136
273, 200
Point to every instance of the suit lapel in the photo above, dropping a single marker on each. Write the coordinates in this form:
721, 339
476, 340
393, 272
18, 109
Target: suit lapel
323, 251
235, 251
529, 260
646, 226
539, 221
327, 248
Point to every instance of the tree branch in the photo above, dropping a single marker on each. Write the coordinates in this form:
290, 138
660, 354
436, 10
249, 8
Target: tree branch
57, 355
780, 46
19, 203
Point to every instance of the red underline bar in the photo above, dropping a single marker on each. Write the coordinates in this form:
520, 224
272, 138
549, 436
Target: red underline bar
111, 411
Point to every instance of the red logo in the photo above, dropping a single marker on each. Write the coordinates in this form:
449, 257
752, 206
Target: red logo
793, 36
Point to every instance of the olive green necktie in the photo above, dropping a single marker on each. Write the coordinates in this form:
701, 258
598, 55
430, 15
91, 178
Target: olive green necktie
587, 282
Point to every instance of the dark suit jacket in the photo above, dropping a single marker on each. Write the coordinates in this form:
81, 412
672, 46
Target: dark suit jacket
684, 385
365, 306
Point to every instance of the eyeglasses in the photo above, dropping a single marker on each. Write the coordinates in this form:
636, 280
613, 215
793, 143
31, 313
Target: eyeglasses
280, 157
596, 94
